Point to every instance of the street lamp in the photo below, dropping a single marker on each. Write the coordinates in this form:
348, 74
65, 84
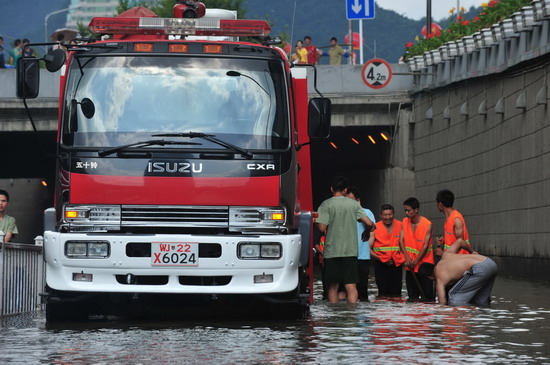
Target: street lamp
53, 13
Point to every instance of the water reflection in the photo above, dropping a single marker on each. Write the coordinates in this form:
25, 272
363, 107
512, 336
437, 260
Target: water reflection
513, 330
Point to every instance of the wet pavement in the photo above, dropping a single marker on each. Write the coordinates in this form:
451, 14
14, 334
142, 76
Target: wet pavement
515, 329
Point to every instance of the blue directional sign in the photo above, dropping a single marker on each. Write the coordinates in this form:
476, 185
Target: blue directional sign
359, 9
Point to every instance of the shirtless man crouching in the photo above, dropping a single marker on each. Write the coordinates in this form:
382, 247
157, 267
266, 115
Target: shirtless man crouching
472, 275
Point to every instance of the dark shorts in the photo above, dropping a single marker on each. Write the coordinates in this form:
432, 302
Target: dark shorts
341, 270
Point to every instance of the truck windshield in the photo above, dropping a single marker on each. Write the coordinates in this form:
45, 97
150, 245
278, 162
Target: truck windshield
242, 101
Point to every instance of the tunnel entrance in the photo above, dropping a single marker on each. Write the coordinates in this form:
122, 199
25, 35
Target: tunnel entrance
28, 175
361, 154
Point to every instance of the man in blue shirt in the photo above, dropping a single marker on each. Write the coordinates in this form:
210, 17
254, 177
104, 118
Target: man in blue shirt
363, 259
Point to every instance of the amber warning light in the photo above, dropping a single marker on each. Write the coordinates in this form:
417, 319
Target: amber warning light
179, 26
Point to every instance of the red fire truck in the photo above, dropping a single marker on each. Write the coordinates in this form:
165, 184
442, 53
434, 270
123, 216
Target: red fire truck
183, 168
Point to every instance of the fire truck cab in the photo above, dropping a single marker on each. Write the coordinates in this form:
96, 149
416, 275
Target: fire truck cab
183, 168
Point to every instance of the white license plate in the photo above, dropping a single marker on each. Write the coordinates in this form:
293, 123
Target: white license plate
174, 254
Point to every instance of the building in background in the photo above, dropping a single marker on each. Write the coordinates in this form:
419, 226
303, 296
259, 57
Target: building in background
87, 9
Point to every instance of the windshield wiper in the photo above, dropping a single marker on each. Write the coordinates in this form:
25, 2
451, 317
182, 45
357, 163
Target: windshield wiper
152, 142
209, 137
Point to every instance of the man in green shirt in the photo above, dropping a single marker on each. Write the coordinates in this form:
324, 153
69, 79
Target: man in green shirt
338, 217
335, 52
7, 223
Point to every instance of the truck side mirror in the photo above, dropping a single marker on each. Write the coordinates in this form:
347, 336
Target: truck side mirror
88, 108
319, 118
55, 60
28, 72
28, 78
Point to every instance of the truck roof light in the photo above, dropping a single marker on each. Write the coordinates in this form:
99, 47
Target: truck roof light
115, 26
212, 48
179, 26
178, 48
143, 47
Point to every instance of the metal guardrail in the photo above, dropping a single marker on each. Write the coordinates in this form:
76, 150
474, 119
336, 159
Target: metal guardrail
523, 37
21, 278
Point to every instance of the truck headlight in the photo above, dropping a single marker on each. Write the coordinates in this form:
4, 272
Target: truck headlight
76, 249
249, 251
256, 218
98, 249
271, 251
92, 218
85, 249
259, 250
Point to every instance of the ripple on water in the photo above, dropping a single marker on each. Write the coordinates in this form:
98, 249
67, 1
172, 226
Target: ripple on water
515, 330
381, 332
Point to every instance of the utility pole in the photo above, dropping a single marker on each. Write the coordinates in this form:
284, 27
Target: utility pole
429, 17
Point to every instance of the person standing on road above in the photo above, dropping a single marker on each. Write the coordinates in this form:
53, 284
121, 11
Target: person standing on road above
335, 52
455, 226
337, 216
2, 59
363, 257
416, 244
301, 53
312, 51
472, 275
27, 50
386, 255
15, 53
7, 223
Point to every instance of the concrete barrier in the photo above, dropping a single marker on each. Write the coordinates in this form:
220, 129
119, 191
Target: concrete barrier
49, 84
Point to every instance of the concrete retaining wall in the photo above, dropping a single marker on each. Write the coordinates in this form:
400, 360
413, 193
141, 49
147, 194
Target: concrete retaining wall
495, 163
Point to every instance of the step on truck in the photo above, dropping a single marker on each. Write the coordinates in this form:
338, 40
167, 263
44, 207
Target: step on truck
183, 174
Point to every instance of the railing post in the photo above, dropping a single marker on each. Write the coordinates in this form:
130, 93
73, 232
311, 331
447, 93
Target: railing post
2, 283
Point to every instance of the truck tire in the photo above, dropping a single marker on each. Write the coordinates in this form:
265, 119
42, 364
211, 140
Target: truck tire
57, 311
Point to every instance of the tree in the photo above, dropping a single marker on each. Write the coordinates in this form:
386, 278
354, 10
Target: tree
83, 30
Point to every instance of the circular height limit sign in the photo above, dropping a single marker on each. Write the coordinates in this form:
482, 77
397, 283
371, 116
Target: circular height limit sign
376, 73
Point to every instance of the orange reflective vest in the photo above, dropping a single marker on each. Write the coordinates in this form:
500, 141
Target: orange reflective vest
449, 229
386, 244
414, 241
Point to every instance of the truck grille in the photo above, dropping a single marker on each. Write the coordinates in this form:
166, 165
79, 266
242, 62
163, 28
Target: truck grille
174, 216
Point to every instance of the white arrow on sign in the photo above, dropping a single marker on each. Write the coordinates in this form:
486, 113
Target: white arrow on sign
356, 7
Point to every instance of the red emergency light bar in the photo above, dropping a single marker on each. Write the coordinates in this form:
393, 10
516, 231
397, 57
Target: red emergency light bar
180, 26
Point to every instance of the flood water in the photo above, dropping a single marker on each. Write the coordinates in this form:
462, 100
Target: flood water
515, 329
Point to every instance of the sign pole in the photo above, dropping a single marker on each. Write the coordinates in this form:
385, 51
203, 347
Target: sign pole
350, 35
361, 41
358, 10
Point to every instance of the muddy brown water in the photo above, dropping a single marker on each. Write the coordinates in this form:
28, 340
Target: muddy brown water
515, 329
